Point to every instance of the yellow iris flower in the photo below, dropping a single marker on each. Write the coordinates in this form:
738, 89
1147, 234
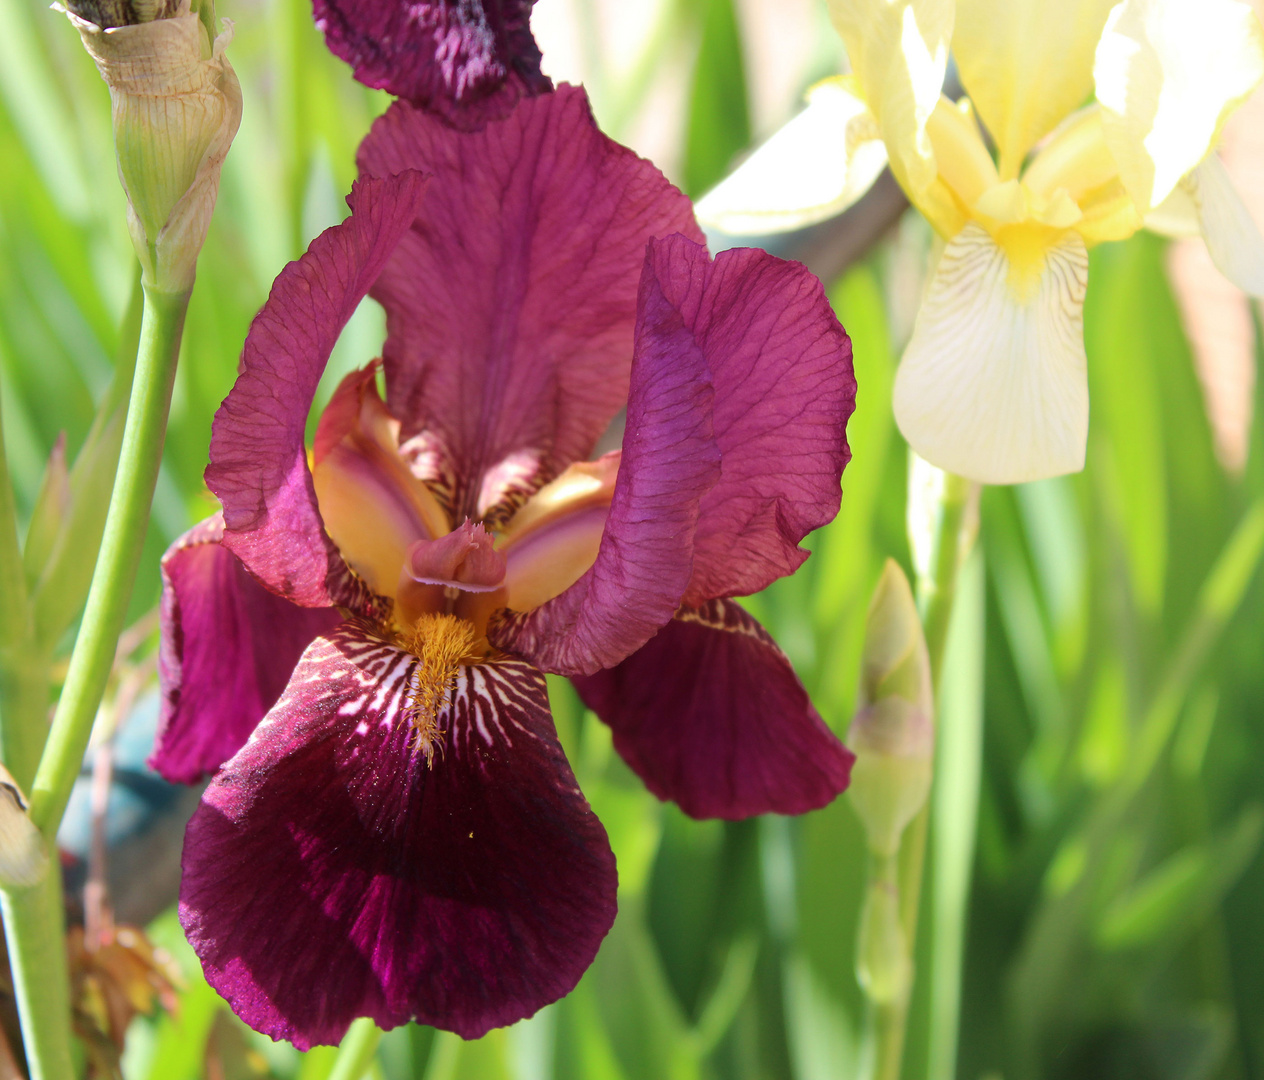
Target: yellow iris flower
993, 382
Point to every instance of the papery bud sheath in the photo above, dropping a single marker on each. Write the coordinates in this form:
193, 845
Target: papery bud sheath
176, 105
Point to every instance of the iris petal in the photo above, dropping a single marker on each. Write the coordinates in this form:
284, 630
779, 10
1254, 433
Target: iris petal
710, 714
258, 462
779, 365
330, 873
669, 461
899, 52
510, 305
736, 439
469, 61
814, 167
372, 505
1026, 64
993, 384
1233, 238
228, 648
1168, 75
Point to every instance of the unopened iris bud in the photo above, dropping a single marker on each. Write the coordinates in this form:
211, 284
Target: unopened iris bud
176, 105
892, 735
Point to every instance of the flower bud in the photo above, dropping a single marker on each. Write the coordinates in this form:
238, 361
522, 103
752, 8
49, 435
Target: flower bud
176, 105
23, 859
893, 735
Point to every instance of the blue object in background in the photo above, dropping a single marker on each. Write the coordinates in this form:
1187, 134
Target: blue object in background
145, 822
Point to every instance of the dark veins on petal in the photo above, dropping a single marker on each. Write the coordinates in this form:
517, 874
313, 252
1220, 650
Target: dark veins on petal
468, 60
329, 873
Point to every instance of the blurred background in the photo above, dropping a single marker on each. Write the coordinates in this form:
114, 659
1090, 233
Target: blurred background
1095, 892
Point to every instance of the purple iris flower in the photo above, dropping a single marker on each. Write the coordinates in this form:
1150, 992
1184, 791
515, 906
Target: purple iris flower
469, 61
401, 836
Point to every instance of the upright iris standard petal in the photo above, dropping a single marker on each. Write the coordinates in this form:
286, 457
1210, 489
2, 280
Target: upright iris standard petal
1168, 74
779, 366
993, 384
468, 60
736, 439
899, 52
511, 303
711, 715
670, 461
258, 459
1026, 65
228, 648
331, 873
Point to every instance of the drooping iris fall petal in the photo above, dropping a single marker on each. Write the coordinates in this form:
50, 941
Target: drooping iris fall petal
330, 873
258, 465
228, 648
469, 61
711, 715
511, 302
994, 383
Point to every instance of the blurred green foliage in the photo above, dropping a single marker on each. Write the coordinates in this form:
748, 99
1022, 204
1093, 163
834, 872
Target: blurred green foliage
1095, 893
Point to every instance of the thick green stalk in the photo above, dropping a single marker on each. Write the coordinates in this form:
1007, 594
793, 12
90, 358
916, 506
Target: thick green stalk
936, 591
355, 1055
125, 525
37, 958
37, 951
33, 917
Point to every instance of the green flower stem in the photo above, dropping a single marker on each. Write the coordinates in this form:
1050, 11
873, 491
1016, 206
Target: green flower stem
889, 1023
355, 1055
37, 950
936, 591
33, 917
37, 958
161, 326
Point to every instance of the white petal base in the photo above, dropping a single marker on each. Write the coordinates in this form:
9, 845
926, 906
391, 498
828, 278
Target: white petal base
991, 387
